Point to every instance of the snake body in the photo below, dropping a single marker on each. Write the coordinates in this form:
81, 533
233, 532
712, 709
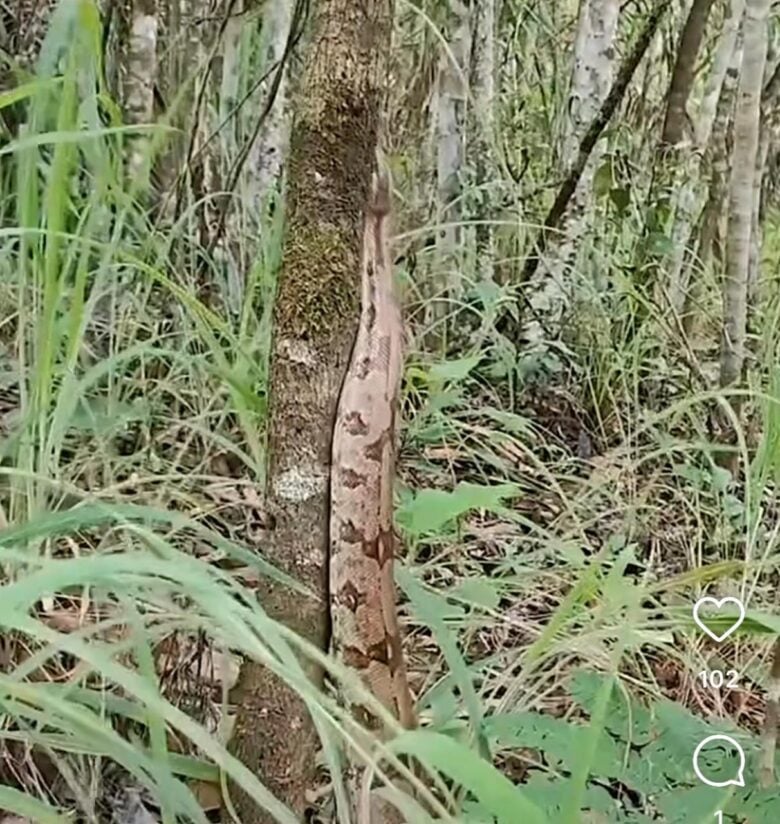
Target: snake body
365, 630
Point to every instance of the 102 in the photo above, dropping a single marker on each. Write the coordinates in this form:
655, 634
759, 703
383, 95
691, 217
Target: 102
715, 679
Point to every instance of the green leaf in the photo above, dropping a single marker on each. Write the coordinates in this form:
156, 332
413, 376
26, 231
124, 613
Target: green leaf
492, 790
453, 370
102, 417
659, 244
431, 608
603, 179
25, 90
18, 803
432, 509
58, 38
755, 623
480, 592
509, 421
551, 792
621, 197
628, 720
561, 741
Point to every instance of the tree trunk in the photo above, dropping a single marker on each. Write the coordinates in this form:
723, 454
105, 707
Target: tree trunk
766, 768
756, 231
450, 104
265, 143
677, 182
139, 77
592, 74
676, 119
706, 199
594, 131
332, 156
769, 128
743, 169
265, 159
717, 161
720, 66
482, 146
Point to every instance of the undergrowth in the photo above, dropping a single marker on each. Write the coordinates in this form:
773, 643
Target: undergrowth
560, 514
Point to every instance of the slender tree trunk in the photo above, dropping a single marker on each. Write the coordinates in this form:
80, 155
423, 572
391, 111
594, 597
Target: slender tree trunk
676, 119
139, 76
677, 183
710, 156
756, 233
265, 151
717, 161
592, 75
720, 65
265, 159
332, 156
201, 164
590, 138
450, 113
769, 127
482, 146
231, 252
743, 169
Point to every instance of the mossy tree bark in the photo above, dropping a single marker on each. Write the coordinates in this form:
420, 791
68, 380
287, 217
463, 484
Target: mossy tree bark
332, 156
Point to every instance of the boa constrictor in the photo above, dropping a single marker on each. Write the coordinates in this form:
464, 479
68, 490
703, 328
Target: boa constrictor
365, 630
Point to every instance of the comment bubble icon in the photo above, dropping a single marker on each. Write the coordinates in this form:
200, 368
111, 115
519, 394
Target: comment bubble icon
738, 780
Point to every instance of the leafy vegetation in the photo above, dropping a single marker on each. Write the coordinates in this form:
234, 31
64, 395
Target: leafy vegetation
565, 493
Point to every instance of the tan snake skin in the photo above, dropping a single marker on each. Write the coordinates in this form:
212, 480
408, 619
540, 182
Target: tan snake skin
365, 631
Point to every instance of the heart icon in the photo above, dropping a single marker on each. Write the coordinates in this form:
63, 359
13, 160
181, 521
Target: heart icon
718, 604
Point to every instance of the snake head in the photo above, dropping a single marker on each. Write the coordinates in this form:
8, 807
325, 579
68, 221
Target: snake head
379, 203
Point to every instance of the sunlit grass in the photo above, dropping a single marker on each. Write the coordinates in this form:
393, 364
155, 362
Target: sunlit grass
132, 470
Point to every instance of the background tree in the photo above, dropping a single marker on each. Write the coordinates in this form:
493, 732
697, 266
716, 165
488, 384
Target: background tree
593, 66
747, 118
450, 96
676, 176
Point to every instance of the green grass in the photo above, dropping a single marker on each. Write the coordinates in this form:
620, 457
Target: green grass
548, 596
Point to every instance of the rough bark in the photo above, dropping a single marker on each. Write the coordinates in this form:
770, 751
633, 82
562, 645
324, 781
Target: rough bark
677, 185
450, 104
720, 64
265, 158
233, 254
681, 83
768, 138
332, 156
139, 76
202, 32
592, 73
743, 169
756, 231
717, 161
704, 188
482, 154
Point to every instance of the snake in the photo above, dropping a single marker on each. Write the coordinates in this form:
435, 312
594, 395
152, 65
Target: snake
365, 630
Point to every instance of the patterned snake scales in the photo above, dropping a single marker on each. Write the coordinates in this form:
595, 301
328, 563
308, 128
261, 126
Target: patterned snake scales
365, 631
